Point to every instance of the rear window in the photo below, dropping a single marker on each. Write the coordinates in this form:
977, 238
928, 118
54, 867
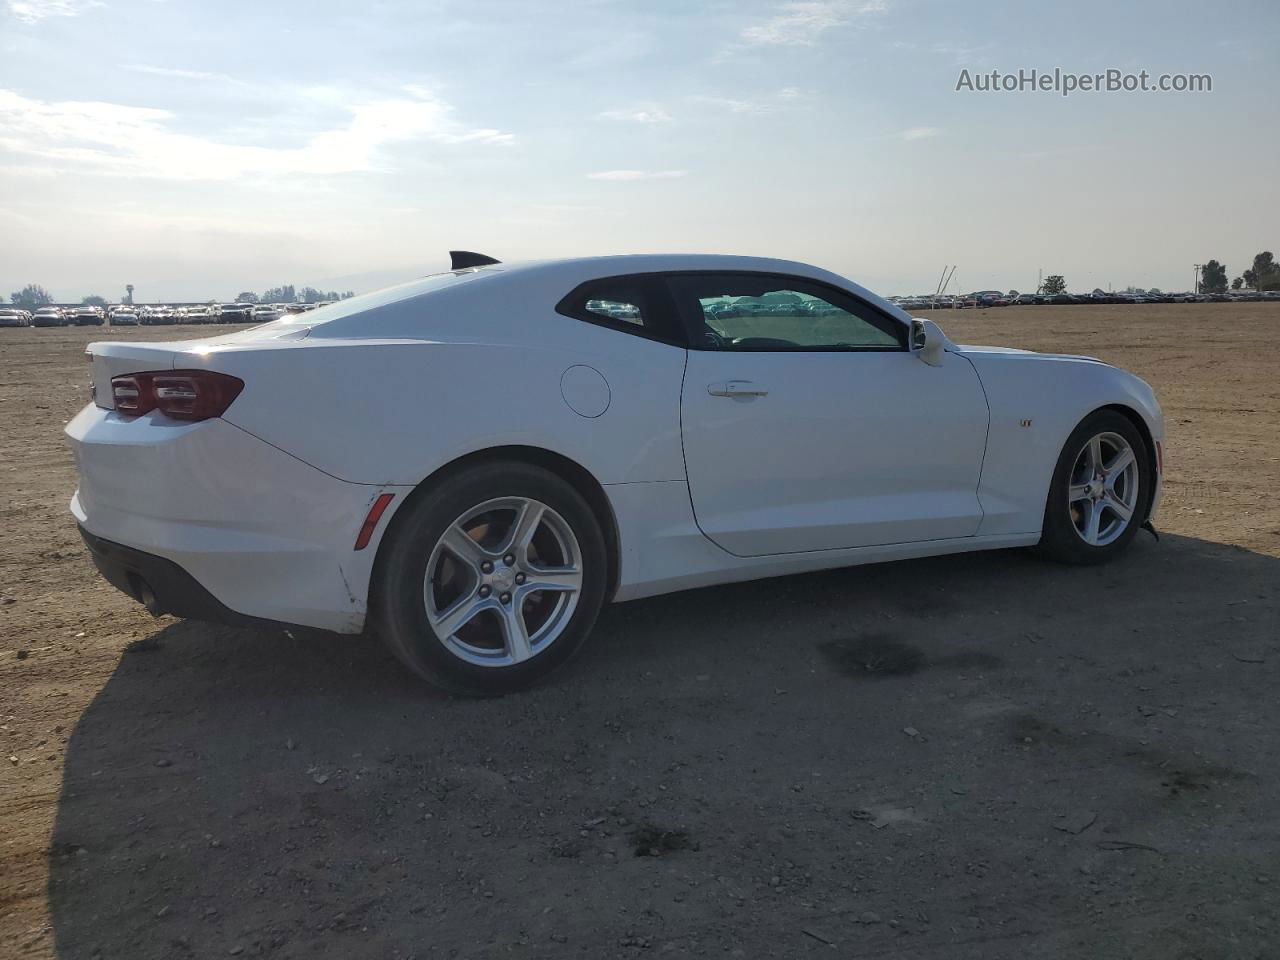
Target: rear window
379, 298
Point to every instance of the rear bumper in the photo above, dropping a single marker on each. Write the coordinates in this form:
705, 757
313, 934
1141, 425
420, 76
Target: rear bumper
158, 584
219, 525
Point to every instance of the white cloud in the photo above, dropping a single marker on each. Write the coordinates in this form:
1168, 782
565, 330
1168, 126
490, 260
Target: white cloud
177, 73
137, 141
33, 11
786, 97
802, 23
919, 133
735, 106
962, 54
639, 113
637, 175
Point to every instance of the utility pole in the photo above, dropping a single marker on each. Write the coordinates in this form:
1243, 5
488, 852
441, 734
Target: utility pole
1197, 287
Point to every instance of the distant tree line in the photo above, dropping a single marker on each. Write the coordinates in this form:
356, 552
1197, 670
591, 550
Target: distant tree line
33, 296
1263, 275
1213, 277
287, 294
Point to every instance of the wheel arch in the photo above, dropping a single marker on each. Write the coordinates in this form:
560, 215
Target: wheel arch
572, 472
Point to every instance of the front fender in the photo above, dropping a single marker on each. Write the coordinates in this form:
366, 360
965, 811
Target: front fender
1036, 401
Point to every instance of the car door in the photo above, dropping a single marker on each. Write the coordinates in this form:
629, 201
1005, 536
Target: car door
809, 425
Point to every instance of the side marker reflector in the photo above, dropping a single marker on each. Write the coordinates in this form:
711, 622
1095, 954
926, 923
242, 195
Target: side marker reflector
371, 521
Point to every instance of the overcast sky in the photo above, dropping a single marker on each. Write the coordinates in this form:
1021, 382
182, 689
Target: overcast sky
196, 149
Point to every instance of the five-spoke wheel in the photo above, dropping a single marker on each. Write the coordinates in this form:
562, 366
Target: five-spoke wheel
1104, 489
1100, 492
503, 581
490, 577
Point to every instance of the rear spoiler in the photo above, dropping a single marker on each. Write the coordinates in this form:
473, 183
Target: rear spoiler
465, 259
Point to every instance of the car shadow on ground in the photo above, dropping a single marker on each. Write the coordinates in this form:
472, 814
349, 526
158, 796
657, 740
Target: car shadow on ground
973, 756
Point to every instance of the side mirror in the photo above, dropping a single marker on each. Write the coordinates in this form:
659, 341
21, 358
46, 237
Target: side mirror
928, 342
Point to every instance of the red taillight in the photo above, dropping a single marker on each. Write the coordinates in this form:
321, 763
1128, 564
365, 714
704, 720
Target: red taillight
181, 394
132, 394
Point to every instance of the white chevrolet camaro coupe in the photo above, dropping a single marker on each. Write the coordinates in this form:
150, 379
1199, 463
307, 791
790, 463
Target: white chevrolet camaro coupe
471, 464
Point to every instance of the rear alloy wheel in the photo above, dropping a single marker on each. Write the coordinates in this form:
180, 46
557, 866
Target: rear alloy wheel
503, 582
1100, 491
492, 579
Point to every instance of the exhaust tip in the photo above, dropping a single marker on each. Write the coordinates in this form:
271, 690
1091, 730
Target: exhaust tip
147, 597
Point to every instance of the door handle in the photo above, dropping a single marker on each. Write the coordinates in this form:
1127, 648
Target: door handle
736, 388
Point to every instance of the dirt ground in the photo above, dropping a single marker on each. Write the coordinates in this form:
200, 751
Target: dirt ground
982, 756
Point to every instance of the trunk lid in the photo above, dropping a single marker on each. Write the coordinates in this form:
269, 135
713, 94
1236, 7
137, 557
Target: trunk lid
115, 358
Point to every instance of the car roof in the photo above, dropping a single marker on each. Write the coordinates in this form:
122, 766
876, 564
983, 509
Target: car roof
571, 271
473, 297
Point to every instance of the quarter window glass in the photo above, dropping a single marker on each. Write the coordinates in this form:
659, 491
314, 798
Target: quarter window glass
616, 310
636, 305
751, 312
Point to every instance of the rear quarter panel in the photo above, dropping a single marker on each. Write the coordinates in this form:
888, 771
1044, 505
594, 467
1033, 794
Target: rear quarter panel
1051, 395
394, 411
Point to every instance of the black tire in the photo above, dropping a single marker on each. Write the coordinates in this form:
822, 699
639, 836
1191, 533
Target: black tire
1060, 540
397, 604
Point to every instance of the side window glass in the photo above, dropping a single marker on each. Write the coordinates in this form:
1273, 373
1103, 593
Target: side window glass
757, 312
637, 304
616, 310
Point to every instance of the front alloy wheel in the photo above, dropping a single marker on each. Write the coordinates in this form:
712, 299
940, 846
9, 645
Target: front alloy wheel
1103, 495
1100, 491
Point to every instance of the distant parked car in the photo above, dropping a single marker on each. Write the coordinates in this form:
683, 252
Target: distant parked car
265, 311
1026, 300
234, 313
124, 319
193, 315
156, 316
14, 318
88, 317
48, 317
